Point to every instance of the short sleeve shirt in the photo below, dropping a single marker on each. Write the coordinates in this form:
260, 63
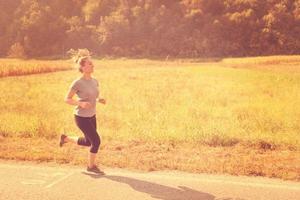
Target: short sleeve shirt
86, 91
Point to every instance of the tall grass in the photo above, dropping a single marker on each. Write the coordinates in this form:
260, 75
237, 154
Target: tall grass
272, 60
16, 67
278, 63
202, 103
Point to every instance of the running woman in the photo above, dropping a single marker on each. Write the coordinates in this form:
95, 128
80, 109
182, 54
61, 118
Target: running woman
86, 89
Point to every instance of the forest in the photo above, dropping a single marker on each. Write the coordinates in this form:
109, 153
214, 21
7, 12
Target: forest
150, 28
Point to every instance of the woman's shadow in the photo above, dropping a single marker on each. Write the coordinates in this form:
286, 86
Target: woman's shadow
157, 190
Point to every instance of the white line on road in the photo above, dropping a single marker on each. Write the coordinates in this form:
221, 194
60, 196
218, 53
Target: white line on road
33, 182
59, 180
50, 174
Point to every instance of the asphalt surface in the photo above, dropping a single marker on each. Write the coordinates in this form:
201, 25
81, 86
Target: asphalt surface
28, 181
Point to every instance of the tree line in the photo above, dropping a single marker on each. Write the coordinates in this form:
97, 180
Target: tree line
147, 28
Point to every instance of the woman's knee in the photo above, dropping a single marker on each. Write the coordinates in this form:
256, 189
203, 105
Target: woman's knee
88, 142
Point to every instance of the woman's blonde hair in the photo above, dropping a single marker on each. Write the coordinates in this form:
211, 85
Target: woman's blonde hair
81, 61
80, 56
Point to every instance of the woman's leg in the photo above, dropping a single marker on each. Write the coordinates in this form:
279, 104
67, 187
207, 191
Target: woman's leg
94, 122
95, 143
82, 124
88, 127
91, 159
83, 141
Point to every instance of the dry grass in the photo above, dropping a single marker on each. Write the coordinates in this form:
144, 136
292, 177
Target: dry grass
205, 105
16, 67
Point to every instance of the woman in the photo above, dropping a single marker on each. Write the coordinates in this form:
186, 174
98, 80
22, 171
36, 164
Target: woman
86, 89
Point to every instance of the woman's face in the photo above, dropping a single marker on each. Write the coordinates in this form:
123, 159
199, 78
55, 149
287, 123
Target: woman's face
88, 67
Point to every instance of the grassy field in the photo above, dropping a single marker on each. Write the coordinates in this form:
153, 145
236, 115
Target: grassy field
180, 105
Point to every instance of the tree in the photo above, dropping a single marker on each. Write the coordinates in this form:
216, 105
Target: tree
40, 32
6, 18
16, 51
179, 28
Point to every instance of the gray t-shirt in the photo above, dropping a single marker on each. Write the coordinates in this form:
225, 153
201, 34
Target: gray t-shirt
87, 91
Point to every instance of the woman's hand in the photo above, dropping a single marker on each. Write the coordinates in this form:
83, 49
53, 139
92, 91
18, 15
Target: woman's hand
85, 105
102, 101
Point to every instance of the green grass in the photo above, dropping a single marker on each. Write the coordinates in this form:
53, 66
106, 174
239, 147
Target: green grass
202, 103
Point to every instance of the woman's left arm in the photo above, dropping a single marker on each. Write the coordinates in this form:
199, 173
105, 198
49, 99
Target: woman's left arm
100, 100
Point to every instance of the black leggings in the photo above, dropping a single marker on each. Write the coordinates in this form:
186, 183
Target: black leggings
89, 128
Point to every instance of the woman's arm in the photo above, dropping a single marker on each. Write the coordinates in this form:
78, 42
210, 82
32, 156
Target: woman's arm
69, 100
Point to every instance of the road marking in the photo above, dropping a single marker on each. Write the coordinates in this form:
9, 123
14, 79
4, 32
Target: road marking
51, 174
59, 180
33, 182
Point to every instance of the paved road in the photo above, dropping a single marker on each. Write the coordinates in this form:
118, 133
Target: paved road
26, 181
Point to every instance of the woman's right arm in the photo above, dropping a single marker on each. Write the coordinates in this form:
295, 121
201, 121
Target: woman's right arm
69, 100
